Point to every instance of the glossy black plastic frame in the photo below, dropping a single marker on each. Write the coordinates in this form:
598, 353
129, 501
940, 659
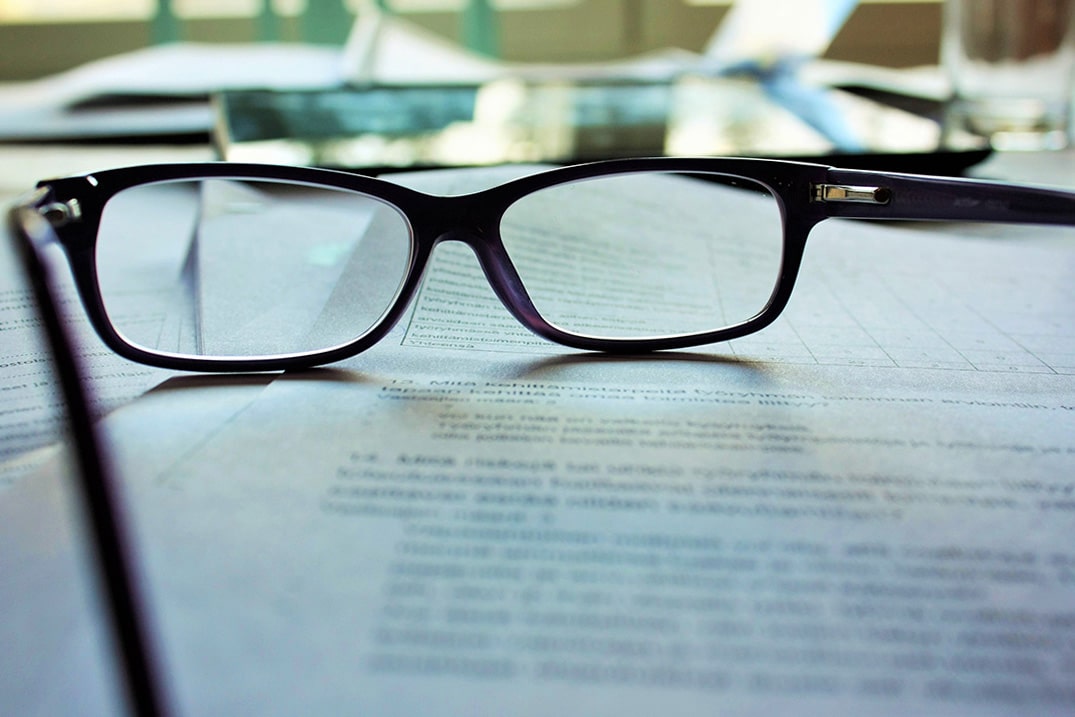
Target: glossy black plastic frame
807, 194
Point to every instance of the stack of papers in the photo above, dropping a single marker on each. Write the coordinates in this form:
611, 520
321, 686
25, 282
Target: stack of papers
863, 509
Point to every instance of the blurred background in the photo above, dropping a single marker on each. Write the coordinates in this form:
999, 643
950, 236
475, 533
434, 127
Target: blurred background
41, 37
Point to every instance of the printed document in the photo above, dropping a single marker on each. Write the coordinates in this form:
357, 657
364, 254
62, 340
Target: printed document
863, 509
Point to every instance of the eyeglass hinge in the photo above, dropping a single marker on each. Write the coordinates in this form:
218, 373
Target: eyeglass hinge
847, 193
59, 214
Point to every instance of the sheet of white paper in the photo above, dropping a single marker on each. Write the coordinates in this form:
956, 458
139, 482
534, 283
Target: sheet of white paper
28, 409
588, 542
57, 656
863, 509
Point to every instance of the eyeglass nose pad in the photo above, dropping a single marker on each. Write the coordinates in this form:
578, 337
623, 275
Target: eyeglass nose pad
503, 279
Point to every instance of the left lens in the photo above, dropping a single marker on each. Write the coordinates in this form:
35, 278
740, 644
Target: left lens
226, 268
646, 255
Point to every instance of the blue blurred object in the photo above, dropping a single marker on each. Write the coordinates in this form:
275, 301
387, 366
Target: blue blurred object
770, 40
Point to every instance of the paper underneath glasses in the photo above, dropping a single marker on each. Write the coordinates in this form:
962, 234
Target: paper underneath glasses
866, 508
29, 409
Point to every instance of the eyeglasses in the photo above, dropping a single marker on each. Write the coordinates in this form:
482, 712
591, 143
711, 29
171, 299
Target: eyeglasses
236, 267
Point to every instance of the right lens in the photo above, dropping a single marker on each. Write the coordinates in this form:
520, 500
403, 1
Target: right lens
647, 255
248, 268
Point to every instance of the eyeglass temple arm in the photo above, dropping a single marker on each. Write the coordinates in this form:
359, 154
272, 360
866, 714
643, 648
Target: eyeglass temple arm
97, 491
880, 195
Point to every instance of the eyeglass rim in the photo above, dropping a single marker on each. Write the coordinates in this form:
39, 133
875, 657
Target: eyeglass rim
801, 189
92, 192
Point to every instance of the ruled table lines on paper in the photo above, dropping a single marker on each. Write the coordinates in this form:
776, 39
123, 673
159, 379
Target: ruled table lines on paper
950, 304
873, 320
31, 412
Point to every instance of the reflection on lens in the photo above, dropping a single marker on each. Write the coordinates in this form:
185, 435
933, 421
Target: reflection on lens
247, 268
647, 255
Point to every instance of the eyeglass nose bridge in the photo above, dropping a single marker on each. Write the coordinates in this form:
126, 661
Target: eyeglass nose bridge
500, 272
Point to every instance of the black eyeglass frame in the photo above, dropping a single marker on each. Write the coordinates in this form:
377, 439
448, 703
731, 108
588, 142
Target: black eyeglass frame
807, 194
